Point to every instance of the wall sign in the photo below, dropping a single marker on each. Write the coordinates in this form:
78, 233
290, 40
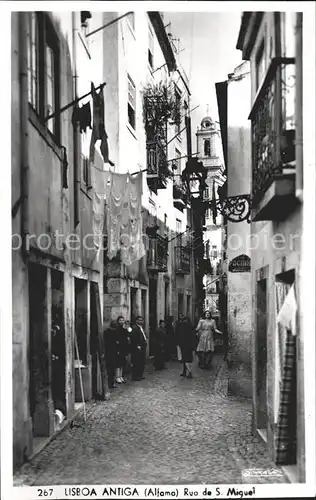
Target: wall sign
240, 264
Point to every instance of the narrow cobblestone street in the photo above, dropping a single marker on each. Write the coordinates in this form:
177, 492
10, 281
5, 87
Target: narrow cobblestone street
162, 430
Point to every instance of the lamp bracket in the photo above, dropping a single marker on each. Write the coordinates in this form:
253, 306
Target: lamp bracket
233, 208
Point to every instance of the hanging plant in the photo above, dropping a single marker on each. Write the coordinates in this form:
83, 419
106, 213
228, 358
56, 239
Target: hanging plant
159, 106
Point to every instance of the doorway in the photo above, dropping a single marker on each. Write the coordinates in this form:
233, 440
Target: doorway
134, 310
58, 342
39, 393
167, 311
152, 311
261, 356
189, 306
180, 304
81, 315
94, 342
143, 306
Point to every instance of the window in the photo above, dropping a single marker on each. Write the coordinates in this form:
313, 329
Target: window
207, 147
131, 19
85, 171
206, 193
177, 111
260, 65
131, 106
44, 71
150, 47
178, 161
178, 231
208, 213
152, 212
32, 60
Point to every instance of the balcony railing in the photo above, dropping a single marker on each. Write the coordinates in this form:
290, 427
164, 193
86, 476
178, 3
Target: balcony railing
183, 259
273, 126
157, 165
157, 254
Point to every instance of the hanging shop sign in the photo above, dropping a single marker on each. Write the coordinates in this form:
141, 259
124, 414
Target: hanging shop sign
240, 264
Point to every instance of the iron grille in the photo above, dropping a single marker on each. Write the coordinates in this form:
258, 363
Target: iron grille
272, 120
157, 254
183, 259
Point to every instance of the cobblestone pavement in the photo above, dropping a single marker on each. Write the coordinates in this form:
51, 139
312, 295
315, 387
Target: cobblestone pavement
162, 430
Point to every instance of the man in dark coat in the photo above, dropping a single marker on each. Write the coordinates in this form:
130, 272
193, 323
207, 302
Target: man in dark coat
159, 345
111, 352
138, 349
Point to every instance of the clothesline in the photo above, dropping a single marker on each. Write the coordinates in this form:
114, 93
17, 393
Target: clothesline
72, 103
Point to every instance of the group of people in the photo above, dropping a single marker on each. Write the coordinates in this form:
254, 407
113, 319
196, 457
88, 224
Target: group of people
186, 340
124, 345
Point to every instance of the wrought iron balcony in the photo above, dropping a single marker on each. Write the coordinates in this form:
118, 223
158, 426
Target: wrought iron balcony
157, 254
157, 166
183, 259
273, 137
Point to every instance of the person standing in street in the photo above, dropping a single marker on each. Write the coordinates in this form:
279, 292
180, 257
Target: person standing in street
123, 347
111, 352
206, 329
128, 364
178, 329
159, 346
187, 343
138, 348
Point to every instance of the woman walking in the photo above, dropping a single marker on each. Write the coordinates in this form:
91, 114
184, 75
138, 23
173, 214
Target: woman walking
123, 348
206, 329
187, 344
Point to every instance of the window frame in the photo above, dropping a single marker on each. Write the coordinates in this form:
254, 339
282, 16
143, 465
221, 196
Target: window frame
207, 146
260, 63
178, 156
178, 98
130, 104
47, 37
151, 47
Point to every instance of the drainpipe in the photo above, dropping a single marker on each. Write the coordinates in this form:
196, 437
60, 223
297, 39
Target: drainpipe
299, 106
76, 125
24, 112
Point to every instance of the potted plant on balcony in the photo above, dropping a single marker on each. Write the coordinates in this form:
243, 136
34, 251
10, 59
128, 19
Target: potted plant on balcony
159, 107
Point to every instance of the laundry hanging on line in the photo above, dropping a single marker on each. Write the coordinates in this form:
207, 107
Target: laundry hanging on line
124, 221
82, 114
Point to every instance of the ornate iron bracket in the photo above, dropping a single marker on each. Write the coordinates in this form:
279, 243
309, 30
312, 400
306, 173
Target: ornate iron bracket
234, 208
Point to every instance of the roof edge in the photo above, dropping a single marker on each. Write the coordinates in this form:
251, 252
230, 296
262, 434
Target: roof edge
158, 25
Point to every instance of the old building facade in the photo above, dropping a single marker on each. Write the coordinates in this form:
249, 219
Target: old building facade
144, 75
65, 287
272, 42
233, 96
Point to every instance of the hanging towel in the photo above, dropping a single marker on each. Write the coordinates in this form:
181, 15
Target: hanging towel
281, 291
117, 194
131, 225
285, 439
97, 221
287, 314
98, 129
